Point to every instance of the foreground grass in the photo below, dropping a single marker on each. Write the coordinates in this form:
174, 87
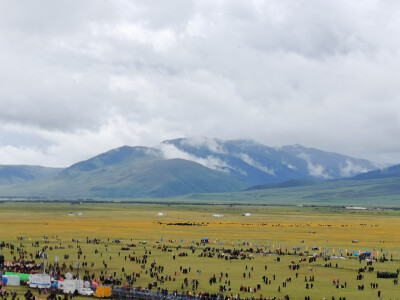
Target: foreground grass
291, 227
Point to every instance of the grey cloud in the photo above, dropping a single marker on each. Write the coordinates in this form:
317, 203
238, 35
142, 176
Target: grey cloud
247, 159
314, 169
21, 138
318, 73
170, 151
212, 144
351, 169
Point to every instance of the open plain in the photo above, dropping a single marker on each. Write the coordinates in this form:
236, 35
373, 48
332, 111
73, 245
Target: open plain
269, 240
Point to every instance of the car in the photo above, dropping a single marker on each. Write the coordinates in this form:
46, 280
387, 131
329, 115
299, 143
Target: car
86, 292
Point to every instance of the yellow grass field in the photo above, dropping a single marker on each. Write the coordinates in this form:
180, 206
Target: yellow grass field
266, 228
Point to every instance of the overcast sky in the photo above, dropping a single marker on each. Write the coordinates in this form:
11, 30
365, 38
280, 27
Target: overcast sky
82, 77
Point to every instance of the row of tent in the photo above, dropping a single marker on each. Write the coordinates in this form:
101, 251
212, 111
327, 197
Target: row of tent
43, 281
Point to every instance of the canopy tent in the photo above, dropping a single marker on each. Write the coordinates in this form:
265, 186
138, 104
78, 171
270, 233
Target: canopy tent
103, 292
22, 276
12, 280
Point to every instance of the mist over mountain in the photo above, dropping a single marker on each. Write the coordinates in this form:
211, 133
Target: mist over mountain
259, 164
182, 166
390, 172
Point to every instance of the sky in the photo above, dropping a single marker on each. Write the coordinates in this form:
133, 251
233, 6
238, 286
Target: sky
79, 78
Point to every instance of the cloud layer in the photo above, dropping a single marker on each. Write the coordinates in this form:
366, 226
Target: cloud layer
79, 78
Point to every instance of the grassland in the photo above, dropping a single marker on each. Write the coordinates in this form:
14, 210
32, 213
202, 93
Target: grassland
372, 193
369, 193
267, 227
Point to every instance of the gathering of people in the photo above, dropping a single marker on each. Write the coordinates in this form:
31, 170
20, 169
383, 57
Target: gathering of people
159, 276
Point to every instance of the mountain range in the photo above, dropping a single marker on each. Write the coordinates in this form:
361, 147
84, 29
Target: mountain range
258, 164
183, 166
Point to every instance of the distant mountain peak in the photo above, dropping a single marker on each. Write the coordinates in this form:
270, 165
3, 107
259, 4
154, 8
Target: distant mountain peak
185, 165
258, 164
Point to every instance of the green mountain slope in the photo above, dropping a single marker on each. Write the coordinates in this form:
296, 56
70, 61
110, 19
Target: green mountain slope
13, 174
286, 184
129, 172
369, 193
167, 178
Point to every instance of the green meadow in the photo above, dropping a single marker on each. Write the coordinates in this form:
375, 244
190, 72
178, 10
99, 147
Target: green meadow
179, 229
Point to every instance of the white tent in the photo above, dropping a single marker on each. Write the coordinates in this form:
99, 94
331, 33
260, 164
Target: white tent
70, 285
40, 281
218, 216
13, 280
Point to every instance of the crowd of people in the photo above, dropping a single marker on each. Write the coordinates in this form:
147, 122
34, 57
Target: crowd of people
157, 274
